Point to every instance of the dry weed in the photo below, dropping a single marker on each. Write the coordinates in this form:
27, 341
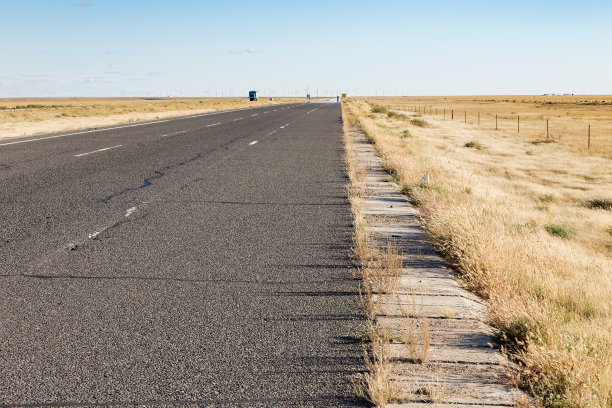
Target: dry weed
433, 393
416, 334
376, 385
385, 271
367, 300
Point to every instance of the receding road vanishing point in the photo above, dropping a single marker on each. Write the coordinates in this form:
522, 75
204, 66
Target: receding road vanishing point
199, 260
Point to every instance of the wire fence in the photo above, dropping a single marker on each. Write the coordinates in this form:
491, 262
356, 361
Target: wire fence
545, 130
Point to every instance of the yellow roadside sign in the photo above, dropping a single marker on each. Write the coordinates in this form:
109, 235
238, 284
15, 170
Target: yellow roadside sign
344, 95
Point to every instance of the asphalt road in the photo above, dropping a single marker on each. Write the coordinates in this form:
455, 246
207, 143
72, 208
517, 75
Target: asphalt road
191, 261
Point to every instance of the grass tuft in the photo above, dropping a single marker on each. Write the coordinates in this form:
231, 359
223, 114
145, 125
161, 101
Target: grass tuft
376, 385
599, 204
546, 198
395, 115
473, 144
563, 231
379, 109
418, 122
416, 334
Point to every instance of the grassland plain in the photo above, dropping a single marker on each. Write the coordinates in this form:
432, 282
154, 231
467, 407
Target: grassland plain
569, 116
30, 116
528, 227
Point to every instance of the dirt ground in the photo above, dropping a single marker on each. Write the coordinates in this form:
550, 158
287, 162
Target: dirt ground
568, 116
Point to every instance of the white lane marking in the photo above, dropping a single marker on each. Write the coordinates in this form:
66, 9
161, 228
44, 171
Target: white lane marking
253, 142
271, 133
274, 110
255, 114
96, 151
236, 120
174, 134
130, 211
95, 234
81, 133
214, 124
267, 112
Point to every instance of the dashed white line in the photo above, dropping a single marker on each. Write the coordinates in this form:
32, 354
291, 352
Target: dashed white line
130, 211
236, 120
95, 234
174, 134
253, 142
267, 112
96, 151
271, 133
255, 114
214, 124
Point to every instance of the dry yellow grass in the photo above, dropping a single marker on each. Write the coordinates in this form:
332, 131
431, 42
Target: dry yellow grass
568, 116
529, 226
45, 115
376, 385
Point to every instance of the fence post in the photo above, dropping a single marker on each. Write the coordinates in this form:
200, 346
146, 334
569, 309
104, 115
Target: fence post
478, 118
444, 113
496, 121
546, 129
518, 124
452, 114
464, 116
589, 138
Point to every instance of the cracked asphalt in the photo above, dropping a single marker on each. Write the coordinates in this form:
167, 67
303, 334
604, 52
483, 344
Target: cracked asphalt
179, 263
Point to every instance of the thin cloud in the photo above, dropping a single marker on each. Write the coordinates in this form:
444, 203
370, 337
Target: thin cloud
247, 51
82, 4
95, 80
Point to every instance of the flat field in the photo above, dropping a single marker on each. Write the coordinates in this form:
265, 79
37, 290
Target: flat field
569, 116
30, 116
527, 224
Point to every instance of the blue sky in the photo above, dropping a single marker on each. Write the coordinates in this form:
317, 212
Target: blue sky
208, 48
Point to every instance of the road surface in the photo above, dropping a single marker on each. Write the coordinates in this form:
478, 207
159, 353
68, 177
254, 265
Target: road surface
188, 261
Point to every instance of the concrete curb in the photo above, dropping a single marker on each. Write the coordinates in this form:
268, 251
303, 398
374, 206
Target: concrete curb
465, 367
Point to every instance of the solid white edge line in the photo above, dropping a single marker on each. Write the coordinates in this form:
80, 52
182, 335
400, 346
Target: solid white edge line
214, 124
253, 142
96, 151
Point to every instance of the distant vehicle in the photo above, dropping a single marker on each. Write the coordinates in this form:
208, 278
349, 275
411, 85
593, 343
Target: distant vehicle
252, 95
